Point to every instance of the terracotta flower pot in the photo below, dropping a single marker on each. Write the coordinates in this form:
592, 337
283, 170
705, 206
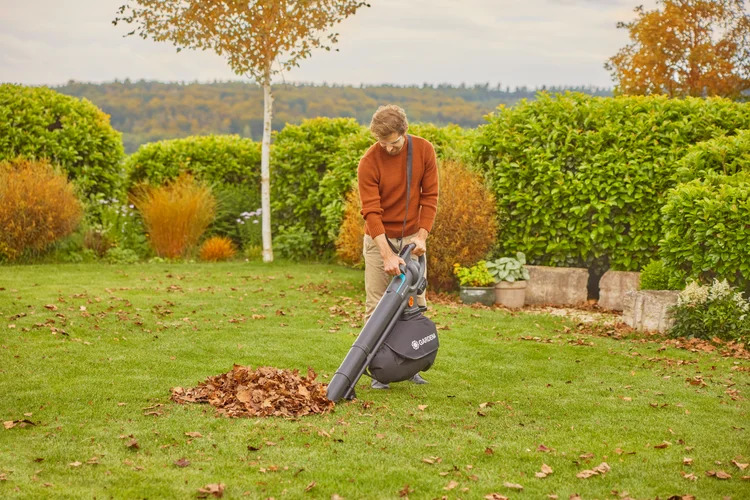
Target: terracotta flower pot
472, 294
511, 295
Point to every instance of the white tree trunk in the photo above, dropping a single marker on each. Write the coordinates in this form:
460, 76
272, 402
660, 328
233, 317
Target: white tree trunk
265, 177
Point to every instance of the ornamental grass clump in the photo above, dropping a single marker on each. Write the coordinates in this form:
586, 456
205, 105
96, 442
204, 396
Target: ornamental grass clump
38, 207
705, 312
217, 248
176, 214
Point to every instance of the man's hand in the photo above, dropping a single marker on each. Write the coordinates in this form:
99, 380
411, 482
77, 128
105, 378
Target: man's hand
391, 262
420, 240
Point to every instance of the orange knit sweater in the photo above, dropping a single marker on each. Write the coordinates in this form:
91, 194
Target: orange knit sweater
382, 189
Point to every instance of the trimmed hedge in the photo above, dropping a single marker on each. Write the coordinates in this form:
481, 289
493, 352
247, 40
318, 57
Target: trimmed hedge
723, 155
707, 229
580, 180
216, 159
39, 123
301, 156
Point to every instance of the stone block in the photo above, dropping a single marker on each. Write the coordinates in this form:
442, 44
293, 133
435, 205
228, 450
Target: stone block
558, 286
647, 310
614, 285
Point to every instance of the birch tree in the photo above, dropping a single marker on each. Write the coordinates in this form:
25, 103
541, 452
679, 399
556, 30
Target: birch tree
258, 38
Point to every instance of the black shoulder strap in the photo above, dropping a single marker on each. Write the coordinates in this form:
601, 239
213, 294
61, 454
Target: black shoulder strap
409, 155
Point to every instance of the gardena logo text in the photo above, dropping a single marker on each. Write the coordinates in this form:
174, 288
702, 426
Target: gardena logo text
415, 344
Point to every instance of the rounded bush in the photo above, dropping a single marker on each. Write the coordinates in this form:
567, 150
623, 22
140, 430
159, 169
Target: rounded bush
216, 159
217, 248
463, 232
580, 180
707, 229
724, 155
39, 123
302, 156
38, 206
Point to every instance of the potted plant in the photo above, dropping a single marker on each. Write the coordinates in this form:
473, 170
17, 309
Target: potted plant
476, 283
510, 278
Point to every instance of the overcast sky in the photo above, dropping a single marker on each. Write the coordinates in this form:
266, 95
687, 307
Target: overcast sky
512, 42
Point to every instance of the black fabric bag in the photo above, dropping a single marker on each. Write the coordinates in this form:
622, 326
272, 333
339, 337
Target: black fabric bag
410, 348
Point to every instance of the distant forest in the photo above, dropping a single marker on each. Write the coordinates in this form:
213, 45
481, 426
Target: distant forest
146, 111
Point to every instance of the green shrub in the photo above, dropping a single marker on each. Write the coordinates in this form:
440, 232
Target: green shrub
215, 159
706, 312
723, 155
340, 178
121, 256
706, 232
294, 242
302, 155
656, 276
73, 134
477, 275
580, 181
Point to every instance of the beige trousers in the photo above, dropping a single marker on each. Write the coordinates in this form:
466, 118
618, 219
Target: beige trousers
376, 279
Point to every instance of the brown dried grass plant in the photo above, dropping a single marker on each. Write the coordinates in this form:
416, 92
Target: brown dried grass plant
217, 248
38, 206
464, 231
175, 214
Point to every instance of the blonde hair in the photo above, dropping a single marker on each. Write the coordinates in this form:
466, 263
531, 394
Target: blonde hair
387, 120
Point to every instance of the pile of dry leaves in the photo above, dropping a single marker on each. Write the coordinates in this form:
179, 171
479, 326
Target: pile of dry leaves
263, 392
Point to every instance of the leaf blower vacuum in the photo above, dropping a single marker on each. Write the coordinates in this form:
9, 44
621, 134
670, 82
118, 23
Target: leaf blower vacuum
397, 342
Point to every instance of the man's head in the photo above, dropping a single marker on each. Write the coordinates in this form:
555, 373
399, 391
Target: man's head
389, 125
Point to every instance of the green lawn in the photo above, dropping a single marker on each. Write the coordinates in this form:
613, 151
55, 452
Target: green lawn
497, 407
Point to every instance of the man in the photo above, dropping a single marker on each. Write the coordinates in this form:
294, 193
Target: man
382, 180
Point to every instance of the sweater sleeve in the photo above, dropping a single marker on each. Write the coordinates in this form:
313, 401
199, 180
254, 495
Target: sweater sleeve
369, 195
428, 197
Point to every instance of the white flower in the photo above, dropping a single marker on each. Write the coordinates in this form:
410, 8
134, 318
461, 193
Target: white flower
239, 221
255, 221
693, 294
719, 290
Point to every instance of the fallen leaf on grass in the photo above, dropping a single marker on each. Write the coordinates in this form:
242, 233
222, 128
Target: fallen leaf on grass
75, 464
495, 496
194, 434
3, 477
513, 486
719, 474
404, 492
488, 451
543, 449
422, 407
310, 486
739, 465
216, 490
93, 461
687, 461
132, 444
17, 423
546, 471
183, 462
690, 477
664, 444
602, 468
450, 485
